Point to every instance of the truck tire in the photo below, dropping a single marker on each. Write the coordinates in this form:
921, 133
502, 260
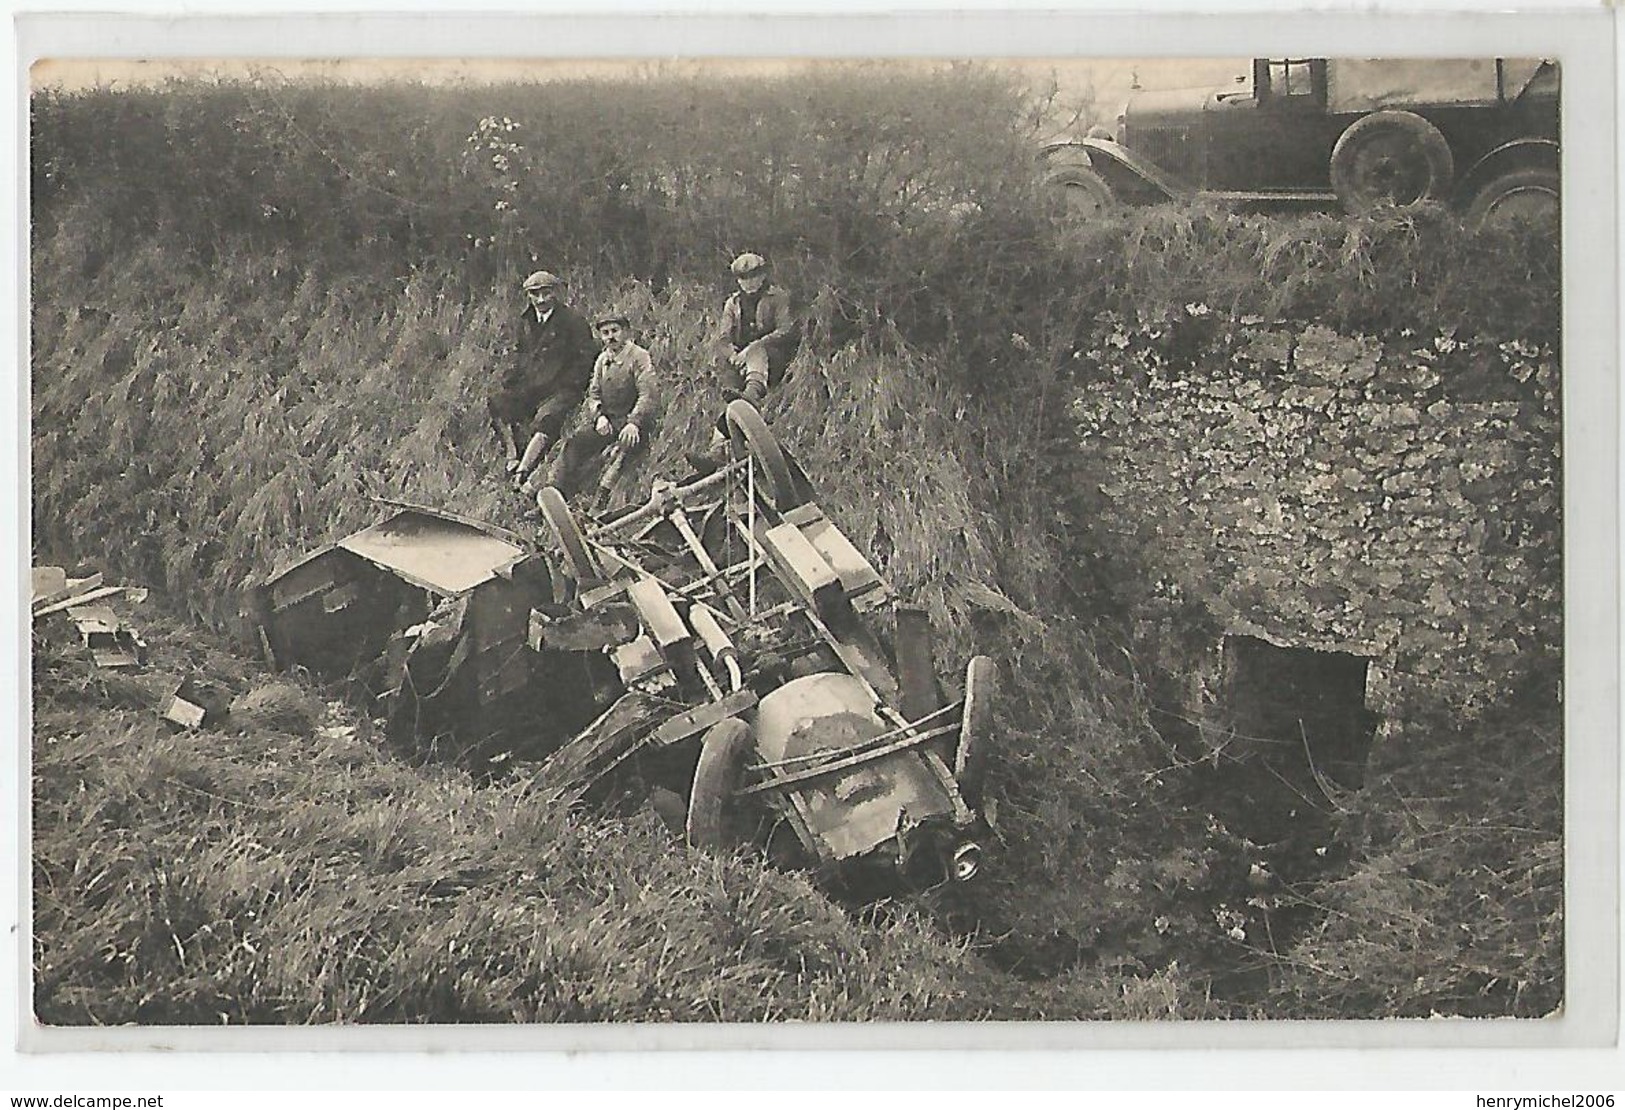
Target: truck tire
1083, 191
1534, 192
716, 778
578, 560
976, 727
750, 436
1390, 158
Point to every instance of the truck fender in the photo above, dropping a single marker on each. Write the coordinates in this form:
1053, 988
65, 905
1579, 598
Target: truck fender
1132, 178
1517, 154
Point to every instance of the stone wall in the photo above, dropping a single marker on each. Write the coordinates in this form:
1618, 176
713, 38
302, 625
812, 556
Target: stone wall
1397, 499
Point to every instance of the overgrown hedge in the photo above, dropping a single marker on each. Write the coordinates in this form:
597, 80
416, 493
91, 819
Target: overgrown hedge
906, 195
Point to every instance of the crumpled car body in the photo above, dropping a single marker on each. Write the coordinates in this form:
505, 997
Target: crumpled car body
428, 613
807, 695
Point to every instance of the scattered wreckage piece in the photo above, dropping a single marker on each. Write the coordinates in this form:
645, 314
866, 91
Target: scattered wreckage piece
52, 584
110, 643
55, 592
134, 593
191, 704
119, 649
188, 702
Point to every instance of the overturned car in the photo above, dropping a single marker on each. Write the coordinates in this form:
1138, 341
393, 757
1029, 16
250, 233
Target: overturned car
722, 646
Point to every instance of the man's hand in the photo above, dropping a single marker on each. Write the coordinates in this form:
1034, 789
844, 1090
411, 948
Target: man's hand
737, 358
603, 426
630, 436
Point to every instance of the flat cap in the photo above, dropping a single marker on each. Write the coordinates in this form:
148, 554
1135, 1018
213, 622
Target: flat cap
541, 279
747, 264
612, 316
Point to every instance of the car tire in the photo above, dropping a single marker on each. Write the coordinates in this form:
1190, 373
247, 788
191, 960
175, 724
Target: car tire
976, 727
751, 438
716, 778
1390, 158
1516, 195
567, 534
1083, 192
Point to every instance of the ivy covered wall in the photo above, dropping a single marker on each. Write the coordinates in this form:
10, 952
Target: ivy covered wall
1398, 499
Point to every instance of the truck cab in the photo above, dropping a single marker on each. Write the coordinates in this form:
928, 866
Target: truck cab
1479, 134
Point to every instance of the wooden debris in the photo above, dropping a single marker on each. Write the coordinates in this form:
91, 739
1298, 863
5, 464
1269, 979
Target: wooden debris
134, 593
52, 584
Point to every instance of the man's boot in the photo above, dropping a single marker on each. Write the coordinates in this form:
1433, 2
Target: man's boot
534, 450
712, 458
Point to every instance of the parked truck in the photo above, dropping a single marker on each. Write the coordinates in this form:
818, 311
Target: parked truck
1478, 134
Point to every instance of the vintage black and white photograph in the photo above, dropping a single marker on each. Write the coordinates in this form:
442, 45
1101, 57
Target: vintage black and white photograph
1047, 539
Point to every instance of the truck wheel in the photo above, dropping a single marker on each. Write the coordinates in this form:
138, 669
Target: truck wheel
716, 777
567, 534
1083, 191
1532, 193
1390, 158
976, 727
750, 436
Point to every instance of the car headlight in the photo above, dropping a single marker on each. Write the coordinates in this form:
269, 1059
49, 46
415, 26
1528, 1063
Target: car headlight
966, 862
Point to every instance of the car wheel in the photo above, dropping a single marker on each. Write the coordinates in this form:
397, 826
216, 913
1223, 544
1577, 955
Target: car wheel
716, 778
1533, 193
567, 534
751, 437
1390, 158
976, 727
1083, 192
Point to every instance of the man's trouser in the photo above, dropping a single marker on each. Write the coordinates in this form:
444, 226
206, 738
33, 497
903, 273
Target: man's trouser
750, 380
586, 452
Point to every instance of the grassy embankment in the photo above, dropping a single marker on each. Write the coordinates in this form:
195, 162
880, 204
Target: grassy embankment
223, 373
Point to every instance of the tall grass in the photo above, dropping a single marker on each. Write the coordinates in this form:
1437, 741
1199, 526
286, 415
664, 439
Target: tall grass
264, 876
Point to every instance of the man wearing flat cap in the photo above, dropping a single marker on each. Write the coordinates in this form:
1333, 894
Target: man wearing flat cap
759, 335
758, 338
545, 379
623, 401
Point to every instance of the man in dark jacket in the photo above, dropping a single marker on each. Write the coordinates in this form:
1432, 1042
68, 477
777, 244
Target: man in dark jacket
552, 358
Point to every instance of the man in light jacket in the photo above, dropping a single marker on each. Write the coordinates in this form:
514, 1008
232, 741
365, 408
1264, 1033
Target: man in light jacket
623, 403
758, 338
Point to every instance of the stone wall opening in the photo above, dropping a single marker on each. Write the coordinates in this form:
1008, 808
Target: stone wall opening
1305, 709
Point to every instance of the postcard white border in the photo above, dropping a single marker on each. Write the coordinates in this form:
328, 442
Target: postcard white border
1586, 40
